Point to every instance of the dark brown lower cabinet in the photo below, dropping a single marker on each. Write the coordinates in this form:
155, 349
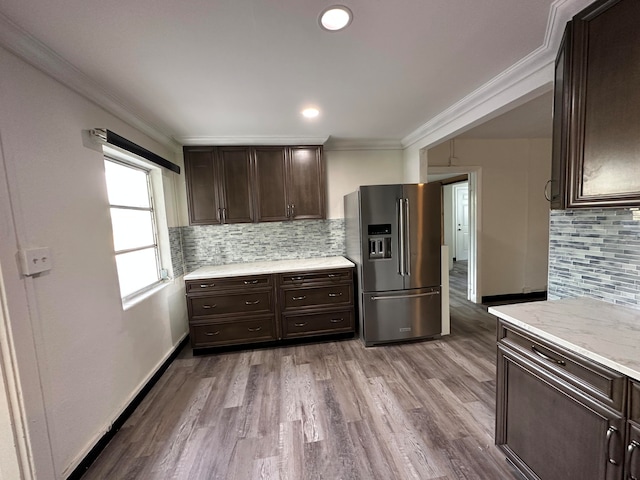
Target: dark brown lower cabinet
560, 416
550, 430
265, 308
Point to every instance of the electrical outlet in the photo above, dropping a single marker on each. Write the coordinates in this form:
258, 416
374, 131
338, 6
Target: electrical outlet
35, 260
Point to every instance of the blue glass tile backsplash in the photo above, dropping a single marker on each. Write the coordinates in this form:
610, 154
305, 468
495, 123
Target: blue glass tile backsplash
253, 242
595, 253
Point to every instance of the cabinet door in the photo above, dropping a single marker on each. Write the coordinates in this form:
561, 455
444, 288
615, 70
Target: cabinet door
271, 185
632, 467
235, 182
557, 191
201, 191
605, 142
306, 183
551, 431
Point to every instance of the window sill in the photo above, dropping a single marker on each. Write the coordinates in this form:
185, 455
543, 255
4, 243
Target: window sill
132, 302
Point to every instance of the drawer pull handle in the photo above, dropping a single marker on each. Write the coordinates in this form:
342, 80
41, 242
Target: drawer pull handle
295, 279
257, 329
252, 303
547, 357
339, 294
206, 285
336, 320
212, 334
333, 275
633, 446
210, 306
250, 282
610, 432
300, 324
299, 298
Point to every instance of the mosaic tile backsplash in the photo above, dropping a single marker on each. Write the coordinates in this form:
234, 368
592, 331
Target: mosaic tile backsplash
253, 242
595, 253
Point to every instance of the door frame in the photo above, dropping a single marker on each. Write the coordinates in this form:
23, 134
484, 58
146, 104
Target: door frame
474, 175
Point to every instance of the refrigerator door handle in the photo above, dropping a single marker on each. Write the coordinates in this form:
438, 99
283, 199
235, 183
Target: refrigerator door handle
407, 239
401, 262
393, 297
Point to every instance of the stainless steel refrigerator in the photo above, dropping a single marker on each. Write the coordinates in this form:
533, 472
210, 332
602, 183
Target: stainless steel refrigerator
393, 236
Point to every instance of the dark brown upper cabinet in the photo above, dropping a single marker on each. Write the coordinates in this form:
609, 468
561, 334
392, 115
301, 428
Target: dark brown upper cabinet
254, 184
600, 108
306, 188
219, 185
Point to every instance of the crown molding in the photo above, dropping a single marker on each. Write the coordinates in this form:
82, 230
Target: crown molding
337, 144
526, 79
24, 45
259, 140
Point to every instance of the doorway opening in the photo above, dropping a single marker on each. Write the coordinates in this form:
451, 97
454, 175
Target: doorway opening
461, 224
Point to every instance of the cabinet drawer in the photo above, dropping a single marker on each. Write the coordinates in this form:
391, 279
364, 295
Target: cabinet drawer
317, 296
259, 329
634, 402
594, 379
243, 302
318, 323
213, 284
302, 278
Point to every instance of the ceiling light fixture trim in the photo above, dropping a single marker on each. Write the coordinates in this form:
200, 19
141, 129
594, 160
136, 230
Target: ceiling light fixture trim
335, 18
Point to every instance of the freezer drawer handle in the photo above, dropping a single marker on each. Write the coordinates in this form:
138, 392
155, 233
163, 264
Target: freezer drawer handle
393, 297
339, 294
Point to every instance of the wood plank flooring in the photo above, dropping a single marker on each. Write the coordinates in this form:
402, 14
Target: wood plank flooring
332, 410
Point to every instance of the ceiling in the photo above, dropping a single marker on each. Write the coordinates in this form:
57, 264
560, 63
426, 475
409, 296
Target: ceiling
214, 71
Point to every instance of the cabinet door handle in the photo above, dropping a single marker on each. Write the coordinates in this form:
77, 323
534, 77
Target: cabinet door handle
336, 320
547, 193
252, 303
207, 285
288, 211
631, 448
300, 324
547, 357
299, 298
610, 433
210, 306
293, 210
219, 215
339, 294
224, 215
250, 282
256, 329
212, 334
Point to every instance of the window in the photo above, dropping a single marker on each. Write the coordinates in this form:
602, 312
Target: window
134, 227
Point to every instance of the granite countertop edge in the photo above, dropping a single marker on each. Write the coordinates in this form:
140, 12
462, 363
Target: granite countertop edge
269, 267
600, 331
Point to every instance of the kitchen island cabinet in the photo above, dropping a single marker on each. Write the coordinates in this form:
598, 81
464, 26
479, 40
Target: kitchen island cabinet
270, 301
567, 376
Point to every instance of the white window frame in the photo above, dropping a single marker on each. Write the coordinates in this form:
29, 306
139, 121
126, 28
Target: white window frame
130, 162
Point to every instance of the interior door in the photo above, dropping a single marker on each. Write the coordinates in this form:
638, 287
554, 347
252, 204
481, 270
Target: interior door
462, 220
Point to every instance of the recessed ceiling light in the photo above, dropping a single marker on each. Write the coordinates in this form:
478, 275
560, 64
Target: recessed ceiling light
335, 18
310, 112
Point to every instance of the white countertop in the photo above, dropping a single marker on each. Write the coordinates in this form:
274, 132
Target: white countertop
605, 333
267, 267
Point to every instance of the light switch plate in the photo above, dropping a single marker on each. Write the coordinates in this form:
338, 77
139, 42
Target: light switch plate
35, 260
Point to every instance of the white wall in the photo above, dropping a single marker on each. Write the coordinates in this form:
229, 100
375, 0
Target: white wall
348, 169
515, 214
90, 355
